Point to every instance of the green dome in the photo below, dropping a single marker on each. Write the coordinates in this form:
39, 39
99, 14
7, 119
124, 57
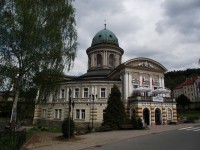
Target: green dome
105, 36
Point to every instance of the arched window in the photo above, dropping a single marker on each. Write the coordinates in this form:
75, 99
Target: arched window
111, 60
99, 60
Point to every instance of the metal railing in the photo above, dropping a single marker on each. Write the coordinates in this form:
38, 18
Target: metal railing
12, 140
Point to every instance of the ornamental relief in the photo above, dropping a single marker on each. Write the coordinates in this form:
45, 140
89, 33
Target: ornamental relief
146, 65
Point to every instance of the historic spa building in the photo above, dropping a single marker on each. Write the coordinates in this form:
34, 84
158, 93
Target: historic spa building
140, 80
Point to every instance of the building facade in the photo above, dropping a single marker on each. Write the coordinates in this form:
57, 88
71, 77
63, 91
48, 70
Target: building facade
140, 80
190, 88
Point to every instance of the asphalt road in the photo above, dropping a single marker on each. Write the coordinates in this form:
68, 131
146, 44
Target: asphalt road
180, 139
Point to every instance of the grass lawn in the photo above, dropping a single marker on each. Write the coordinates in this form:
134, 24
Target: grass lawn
195, 114
44, 128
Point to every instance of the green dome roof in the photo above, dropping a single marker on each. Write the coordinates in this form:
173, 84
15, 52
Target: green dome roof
105, 36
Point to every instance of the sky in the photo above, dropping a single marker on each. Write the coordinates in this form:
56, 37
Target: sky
167, 31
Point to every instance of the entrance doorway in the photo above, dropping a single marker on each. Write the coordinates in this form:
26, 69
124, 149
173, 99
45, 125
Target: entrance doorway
146, 116
158, 116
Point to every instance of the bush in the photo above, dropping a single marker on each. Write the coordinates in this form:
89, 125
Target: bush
65, 128
140, 124
136, 122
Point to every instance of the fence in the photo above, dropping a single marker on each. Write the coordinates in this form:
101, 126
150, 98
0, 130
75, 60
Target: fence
12, 140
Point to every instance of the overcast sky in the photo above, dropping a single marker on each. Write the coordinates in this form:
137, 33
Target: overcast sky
167, 31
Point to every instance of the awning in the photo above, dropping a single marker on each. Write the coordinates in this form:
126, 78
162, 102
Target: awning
161, 90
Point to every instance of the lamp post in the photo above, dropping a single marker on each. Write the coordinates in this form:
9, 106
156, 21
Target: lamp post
69, 105
92, 111
73, 104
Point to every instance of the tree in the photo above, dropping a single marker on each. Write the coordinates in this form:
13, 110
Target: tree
67, 131
183, 101
115, 112
35, 36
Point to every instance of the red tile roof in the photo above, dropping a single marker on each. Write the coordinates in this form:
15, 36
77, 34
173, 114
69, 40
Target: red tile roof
187, 82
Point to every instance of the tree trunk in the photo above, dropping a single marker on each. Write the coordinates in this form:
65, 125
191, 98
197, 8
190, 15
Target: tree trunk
16, 89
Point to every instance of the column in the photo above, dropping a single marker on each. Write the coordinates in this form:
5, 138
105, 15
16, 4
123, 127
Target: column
174, 113
140, 79
164, 119
163, 83
127, 86
130, 84
152, 116
67, 94
104, 58
160, 81
150, 82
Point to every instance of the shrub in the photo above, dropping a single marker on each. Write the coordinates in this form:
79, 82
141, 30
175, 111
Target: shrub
134, 122
140, 124
66, 127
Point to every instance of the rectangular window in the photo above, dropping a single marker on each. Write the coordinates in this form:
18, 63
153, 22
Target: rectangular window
85, 93
44, 113
62, 93
76, 93
103, 92
58, 113
80, 113
83, 114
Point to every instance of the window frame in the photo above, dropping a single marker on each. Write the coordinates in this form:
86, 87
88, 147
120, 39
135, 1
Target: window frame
76, 93
62, 93
103, 92
57, 113
85, 93
80, 114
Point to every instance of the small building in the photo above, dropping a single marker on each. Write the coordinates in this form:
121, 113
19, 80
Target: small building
140, 80
6, 96
190, 88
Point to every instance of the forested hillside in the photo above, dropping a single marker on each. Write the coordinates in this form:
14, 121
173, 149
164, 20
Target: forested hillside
174, 78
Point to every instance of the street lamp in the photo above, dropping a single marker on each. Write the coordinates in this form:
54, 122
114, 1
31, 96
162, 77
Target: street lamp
69, 105
73, 104
92, 111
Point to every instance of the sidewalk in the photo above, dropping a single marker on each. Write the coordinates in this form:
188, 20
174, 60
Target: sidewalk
49, 141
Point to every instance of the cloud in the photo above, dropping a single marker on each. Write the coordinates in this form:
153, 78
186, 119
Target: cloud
167, 31
182, 17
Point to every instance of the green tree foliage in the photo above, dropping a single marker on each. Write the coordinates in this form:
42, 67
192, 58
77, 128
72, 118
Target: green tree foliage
140, 124
136, 122
35, 36
66, 128
183, 101
174, 78
115, 112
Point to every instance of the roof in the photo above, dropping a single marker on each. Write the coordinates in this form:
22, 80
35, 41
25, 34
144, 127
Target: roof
96, 73
105, 36
189, 81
